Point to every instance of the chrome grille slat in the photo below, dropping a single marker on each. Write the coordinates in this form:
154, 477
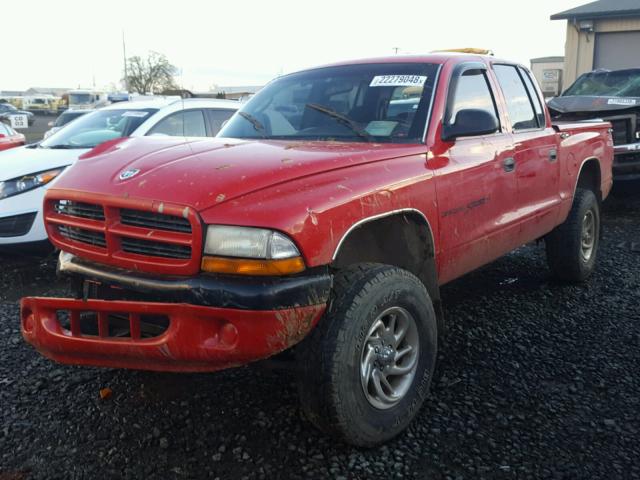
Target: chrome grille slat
79, 209
83, 236
159, 221
155, 249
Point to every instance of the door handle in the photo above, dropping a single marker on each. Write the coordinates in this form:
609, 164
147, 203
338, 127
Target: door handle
509, 164
553, 155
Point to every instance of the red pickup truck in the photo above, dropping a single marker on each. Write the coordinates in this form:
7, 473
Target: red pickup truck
327, 216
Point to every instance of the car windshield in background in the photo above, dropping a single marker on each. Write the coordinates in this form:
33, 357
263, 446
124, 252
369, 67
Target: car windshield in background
66, 117
620, 83
368, 102
98, 127
79, 98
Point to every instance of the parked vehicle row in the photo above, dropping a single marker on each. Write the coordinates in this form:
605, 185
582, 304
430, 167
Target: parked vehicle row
26, 172
7, 110
324, 219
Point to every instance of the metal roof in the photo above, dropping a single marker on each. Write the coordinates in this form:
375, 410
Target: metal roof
547, 60
601, 8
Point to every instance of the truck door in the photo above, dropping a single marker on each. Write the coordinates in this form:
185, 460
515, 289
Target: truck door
536, 153
475, 183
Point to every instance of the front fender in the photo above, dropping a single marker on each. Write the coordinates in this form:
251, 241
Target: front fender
317, 211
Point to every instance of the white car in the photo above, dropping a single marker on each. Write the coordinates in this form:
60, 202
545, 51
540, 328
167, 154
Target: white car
26, 172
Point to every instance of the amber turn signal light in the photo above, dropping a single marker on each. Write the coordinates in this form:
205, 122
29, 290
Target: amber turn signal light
250, 266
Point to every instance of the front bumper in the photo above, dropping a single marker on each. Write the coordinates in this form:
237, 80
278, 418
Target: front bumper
626, 162
228, 291
196, 338
26, 203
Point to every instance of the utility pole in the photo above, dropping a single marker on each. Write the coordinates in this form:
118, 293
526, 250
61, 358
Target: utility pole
124, 56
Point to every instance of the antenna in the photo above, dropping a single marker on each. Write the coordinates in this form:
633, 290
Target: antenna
124, 57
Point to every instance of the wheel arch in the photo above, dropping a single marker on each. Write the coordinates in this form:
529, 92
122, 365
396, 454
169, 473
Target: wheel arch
403, 238
590, 177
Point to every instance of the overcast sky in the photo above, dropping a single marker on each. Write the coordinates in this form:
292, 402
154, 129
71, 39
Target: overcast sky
66, 43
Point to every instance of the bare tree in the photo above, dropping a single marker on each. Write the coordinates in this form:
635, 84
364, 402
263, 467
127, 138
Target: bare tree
151, 74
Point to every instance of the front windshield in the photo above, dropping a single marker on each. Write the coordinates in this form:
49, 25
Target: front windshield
364, 103
79, 98
621, 83
98, 127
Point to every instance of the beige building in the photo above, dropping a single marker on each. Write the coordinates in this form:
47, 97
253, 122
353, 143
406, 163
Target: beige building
601, 34
548, 71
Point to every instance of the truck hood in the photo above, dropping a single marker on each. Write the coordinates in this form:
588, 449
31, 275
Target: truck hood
580, 103
202, 173
20, 161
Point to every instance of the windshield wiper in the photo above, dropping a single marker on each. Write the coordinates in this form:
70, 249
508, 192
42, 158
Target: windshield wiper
255, 122
343, 119
63, 146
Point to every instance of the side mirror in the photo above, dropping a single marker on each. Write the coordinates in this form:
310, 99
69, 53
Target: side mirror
51, 124
470, 122
2, 135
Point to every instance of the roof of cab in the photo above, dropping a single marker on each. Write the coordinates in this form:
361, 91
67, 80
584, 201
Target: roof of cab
436, 57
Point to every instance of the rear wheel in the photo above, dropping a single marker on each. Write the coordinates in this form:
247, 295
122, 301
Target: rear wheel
572, 247
367, 367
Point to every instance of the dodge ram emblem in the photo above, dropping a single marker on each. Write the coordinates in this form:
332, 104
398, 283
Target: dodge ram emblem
127, 174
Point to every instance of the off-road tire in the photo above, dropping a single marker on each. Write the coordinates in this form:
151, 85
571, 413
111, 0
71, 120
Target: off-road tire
564, 244
331, 393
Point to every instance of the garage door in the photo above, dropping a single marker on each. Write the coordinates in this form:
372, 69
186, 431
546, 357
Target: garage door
617, 50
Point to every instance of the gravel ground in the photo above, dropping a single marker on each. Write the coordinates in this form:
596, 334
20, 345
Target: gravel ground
539, 380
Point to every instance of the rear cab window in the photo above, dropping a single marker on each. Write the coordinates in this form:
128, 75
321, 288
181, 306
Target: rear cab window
517, 99
533, 95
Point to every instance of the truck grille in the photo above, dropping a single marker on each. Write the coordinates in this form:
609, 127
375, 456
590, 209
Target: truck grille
621, 131
131, 234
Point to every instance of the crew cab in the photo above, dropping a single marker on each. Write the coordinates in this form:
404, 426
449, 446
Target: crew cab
325, 219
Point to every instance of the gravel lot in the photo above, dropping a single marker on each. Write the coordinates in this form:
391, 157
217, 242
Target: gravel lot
539, 380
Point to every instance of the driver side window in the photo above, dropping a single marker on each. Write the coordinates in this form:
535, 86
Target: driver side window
472, 91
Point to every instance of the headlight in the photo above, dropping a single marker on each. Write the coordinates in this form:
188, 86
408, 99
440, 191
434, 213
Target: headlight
250, 251
15, 186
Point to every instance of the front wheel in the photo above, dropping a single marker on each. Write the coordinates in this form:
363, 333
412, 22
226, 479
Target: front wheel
366, 369
572, 247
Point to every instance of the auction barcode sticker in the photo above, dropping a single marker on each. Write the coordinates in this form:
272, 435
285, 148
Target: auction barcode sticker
135, 113
398, 81
621, 101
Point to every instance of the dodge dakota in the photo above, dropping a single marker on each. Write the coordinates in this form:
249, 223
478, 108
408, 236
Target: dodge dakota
324, 219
